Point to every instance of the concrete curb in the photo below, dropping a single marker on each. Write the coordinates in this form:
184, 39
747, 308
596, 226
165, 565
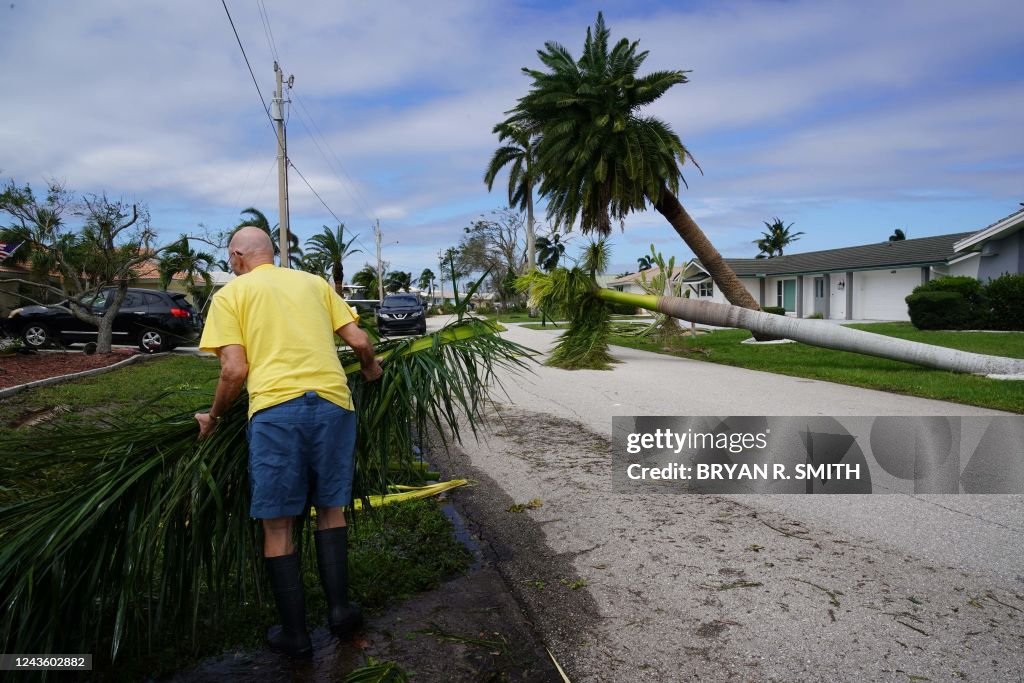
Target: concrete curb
11, 391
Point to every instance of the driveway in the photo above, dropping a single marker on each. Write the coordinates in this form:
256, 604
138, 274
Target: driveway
638, 587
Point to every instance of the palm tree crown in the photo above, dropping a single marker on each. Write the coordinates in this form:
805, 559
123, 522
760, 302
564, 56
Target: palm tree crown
330, 247
776, 238
597, 157
522, 177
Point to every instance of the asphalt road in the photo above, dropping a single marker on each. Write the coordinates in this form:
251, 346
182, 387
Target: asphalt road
745, 587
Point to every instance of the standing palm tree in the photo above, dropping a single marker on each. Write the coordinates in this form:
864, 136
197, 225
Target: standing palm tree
597, 158
330, 247
644, 263
366, 277
518, 152
426, 281
181, 258
776, 238
257, 219
396, 281
550, 250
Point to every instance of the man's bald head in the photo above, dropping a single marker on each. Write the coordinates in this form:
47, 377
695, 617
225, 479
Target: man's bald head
249, 247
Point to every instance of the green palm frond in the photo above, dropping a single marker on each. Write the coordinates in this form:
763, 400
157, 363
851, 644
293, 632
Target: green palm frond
111, 537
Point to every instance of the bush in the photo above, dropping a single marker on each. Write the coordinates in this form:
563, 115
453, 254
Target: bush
777, 310
1005, 296
940, 311
948, 303
622, 309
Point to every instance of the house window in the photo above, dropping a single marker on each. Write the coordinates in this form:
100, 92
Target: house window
706, 288
785, 291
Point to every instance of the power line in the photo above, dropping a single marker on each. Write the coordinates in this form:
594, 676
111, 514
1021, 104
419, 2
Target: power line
266, 109
350, 187
265, 18
270, 36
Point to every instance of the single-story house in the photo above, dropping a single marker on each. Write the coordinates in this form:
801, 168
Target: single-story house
867, 282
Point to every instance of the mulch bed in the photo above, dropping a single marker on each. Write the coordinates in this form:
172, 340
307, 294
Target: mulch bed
21, 368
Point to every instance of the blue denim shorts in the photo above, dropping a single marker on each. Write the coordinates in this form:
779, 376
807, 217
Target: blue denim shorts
300, 452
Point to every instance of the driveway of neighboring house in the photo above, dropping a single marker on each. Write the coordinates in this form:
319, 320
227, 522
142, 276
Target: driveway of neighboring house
661, 587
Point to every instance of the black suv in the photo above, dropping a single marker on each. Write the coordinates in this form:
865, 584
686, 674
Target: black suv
155, 320
401, 313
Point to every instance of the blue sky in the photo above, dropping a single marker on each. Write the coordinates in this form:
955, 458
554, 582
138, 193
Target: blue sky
846, 119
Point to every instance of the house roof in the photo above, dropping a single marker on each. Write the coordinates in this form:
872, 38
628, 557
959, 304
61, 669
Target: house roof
923, 251
1001, 228
650, 274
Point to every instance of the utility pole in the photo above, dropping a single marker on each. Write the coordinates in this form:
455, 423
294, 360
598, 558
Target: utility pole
277, 113
380, 265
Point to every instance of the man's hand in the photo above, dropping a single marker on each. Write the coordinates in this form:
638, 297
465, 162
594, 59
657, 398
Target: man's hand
206, 424
373, 372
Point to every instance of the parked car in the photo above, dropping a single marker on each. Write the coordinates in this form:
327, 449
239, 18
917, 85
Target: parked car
156, 321
401, 313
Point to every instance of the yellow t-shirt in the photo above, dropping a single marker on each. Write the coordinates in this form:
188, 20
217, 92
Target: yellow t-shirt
286, 321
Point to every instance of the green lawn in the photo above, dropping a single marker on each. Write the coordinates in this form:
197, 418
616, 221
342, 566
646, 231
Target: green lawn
165, 385
801, 360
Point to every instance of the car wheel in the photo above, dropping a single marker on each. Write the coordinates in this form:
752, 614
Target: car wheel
37, 336
422, 329
152, 341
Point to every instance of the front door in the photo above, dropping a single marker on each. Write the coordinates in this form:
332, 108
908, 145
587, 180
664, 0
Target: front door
819, 296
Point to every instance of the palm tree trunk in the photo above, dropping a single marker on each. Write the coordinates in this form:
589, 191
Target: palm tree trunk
531, 240
668, 206
339, 278
818, 333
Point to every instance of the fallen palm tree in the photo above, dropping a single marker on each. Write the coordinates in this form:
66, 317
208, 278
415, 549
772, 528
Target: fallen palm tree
115, 539
586, 342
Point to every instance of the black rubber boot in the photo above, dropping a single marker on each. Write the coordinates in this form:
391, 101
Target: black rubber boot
343, 616
290, 636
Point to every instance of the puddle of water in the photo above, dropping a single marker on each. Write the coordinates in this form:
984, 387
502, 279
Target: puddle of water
463, 535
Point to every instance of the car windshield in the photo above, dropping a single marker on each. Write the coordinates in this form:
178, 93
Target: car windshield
401, 301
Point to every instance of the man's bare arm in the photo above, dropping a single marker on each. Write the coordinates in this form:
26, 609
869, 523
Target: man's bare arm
234, 368
359, 341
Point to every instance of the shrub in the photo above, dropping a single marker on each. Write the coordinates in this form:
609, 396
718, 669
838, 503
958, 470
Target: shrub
622, 309
948, 303
1005, 296
817, 315
940, 311
777, 310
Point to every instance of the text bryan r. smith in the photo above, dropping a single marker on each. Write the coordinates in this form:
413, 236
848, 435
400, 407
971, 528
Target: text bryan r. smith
735, 472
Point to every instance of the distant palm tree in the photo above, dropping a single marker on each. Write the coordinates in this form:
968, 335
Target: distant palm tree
258, 219
522, 177
897, 235
597, 158
191, 264
776, 238
396, 281
331, 248
366, 277
549, 251
644, 263
426, 281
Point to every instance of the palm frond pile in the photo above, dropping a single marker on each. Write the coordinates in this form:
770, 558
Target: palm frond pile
564, 292
112, 538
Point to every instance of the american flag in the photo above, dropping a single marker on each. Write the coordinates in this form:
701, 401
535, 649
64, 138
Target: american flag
8, 248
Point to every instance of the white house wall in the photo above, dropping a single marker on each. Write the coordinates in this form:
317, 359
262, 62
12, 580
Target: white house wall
967, 267
880, 294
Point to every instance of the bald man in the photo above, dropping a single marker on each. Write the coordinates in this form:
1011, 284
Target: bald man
273, 328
